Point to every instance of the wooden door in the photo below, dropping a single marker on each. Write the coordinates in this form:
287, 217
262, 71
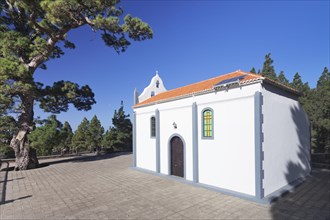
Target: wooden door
177, 157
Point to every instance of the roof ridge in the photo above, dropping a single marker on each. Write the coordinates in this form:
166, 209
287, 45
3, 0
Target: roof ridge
274, 81
190, 88
205, 80
251, 74
271, 80
208, 84
283, 85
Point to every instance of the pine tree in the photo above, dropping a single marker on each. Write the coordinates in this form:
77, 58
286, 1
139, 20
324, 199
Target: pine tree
316, 103
122, 121
109, 140
282, 79
8, 127
46, 138
81, 138
303, 88
96, 133
66, 135
322, 112
106, 140
253, 70
267, 69
324, 78
34, 32
119, 137
297, 83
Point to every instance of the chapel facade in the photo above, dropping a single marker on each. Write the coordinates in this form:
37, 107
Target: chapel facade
238, 133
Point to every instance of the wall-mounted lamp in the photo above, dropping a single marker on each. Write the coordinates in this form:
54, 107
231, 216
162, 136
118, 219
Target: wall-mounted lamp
174, 125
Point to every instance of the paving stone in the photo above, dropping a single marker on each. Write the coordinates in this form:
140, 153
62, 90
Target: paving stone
106, 188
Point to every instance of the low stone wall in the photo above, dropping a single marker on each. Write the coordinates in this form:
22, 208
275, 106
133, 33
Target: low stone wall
321, 160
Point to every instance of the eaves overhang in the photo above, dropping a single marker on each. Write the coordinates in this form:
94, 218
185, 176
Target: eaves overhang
202, 92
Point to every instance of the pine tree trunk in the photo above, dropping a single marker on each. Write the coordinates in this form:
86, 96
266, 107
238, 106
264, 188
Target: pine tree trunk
26, 157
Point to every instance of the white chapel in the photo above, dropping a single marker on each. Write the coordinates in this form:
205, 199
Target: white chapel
238, 133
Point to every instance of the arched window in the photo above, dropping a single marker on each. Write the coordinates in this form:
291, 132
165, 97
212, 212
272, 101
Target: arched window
208, 123
153, 126
152, 94
157, 84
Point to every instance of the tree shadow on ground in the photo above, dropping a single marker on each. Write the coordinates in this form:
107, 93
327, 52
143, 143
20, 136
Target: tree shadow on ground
310, 198
76, 159
3, 187
2, 181
88, 158
13, 200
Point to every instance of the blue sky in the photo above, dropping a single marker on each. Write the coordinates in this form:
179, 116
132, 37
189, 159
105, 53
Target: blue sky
193, 41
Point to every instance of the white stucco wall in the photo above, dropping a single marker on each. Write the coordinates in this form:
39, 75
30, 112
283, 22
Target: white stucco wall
182, 116
227, 161
146, 145
177, 111
286, 143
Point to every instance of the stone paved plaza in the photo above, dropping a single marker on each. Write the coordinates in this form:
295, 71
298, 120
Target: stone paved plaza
104, 187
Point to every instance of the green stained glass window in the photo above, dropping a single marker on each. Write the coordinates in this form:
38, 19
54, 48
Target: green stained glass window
208, 123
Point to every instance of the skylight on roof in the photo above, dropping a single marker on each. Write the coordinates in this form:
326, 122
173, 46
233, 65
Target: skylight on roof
228, 82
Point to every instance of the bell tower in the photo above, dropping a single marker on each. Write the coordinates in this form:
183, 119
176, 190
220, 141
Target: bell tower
155, 87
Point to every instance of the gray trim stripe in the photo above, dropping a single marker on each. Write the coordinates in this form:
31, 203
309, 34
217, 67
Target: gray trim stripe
258, 144
134, 139
157, 141
195, 142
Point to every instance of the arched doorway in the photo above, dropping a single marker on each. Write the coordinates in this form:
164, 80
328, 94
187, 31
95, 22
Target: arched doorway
177, 157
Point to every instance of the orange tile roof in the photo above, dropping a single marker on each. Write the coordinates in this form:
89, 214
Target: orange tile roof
205, 85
